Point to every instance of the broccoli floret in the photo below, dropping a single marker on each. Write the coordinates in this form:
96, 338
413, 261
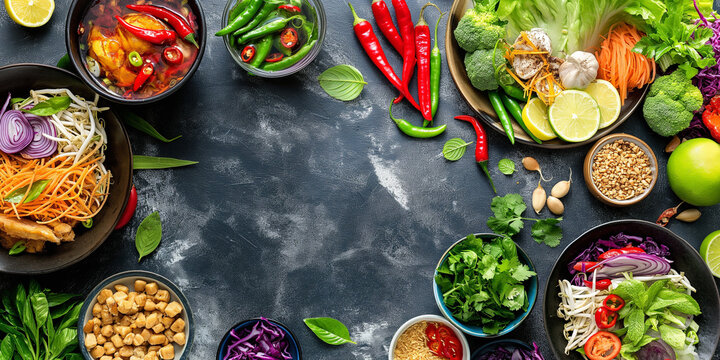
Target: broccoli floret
479, 67
479, 28
670, 104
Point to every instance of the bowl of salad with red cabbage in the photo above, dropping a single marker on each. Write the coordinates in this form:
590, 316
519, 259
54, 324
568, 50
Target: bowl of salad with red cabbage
631, 290
508, 349
259, 339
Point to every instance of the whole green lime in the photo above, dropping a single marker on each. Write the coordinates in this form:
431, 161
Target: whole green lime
694, 172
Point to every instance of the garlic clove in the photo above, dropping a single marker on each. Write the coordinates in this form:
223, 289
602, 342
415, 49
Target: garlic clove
539, 197
555, 205
689, 215
530, 164
562, 188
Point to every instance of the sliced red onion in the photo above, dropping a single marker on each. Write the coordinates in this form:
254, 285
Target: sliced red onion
2, 111
637, 264
40, 146
15, 132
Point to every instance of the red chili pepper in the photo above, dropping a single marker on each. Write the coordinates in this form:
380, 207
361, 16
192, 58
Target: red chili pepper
157, 37
274, 57
289, 38
142, 77
290, 8
370, 43
172, 55
605, 318
177, 21
668, 214
613, 302
481, 145
384, 21
599, 284
129, 209
248, 53
585, 266
615, 252
422, 44
407, 31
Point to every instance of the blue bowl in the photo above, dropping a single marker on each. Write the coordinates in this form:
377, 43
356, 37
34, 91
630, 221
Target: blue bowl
531, 286
293, 348
509, 344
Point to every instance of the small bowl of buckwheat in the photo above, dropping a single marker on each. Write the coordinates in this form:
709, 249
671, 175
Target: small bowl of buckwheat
620, 170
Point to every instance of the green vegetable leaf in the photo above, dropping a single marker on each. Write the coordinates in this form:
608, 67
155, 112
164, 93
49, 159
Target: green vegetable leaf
17, 248
673, 336
7, 349
16, 100
50, 106
329, 330
631, 289
36, 189
148, 235
547, 231
522, 273
508, 210
343, 82
506, 166
63, 339
56, 299
64, 63
454, 149
142, 162
135, 121
40, 307
635, 323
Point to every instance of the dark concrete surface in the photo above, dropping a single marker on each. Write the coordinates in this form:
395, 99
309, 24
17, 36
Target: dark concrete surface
305, 206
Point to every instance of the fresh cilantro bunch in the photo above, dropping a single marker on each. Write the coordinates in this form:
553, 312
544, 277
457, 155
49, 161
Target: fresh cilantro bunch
508, 221
482, 282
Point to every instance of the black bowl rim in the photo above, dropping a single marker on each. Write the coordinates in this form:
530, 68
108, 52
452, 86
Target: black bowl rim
283, 326
622, 221
497, 343
105, 236
77, 63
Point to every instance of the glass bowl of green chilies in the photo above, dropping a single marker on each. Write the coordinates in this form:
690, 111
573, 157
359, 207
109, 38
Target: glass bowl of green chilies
273, 38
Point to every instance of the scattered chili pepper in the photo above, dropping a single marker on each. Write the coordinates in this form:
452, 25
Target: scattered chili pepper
384, 21
248, 53
603, 284
177, 21
416, 131
129, 209
605, 318
422, 49
157, 37
435, 71
668, 214
142, 77
502, 114
407, 31
481, 145
711, 117
585, 266
615, 252
289, 38
274, 57
514, 109
289, 61
613, 302
290, 8
135, 59
172, 55
262, 48
265, 13
241, 20
369, 41
269, 28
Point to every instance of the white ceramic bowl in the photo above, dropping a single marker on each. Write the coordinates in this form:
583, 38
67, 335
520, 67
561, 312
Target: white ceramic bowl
430, 318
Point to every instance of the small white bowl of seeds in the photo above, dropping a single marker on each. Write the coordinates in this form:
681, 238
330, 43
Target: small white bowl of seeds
620, 170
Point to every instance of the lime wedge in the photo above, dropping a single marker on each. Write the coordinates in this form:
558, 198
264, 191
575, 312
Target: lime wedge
534, 115
574, 116
710, 252
30, 13
608, 100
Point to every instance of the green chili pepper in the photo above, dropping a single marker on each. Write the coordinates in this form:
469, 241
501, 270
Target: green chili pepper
497, 104
88, 223
415, 131
514, 92
269, 28
240, 5
262, 49
279, 47
435, 70
264, 14
514, 109
242, 19
135, 59
290, 60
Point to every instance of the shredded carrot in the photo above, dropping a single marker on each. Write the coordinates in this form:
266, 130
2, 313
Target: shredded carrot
542, 78
76, 191
619, 65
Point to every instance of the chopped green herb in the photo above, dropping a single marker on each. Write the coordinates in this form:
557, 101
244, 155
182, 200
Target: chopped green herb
508, 221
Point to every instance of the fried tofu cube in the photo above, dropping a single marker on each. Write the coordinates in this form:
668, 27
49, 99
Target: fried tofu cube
162, 295
178, 325
179, 338
157, 339
90, 341
103, 295
173, 309
151, 288
97, 352
121, 288
140, 285
167, 352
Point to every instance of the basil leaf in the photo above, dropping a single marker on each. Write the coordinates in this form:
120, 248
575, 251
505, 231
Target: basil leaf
71, 317
506, 166
454, 149
329, 330
40, 307
148, 235
50, 106
63, 338
35, 190
142, 162
18, 248
55, 299
343, 82
22, 347
64, 62
135, 121
7, 349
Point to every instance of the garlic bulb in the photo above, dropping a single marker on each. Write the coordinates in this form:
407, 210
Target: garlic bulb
578, 70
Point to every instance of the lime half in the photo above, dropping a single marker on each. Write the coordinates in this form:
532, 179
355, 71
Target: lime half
710, 252
534, 115
574, 116
608, 100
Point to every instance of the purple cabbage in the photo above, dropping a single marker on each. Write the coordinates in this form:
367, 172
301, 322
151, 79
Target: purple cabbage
707, 79
656, 350
501, 353
262, 341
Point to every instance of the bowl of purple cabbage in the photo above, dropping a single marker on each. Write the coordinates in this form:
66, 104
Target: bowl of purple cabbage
508, 350
259, 339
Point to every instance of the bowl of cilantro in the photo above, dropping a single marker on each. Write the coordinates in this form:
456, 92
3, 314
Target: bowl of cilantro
485, 284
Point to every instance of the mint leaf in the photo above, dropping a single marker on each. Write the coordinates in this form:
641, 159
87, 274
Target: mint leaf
630, 290
547, 231
673, 336
506, 166
635, 323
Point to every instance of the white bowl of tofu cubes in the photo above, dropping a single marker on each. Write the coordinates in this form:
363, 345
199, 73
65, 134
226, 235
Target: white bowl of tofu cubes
135, 315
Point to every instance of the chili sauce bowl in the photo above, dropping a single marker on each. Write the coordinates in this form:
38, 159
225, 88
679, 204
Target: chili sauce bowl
429, 318
531, 287
128, 278
293, 344
320, 20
